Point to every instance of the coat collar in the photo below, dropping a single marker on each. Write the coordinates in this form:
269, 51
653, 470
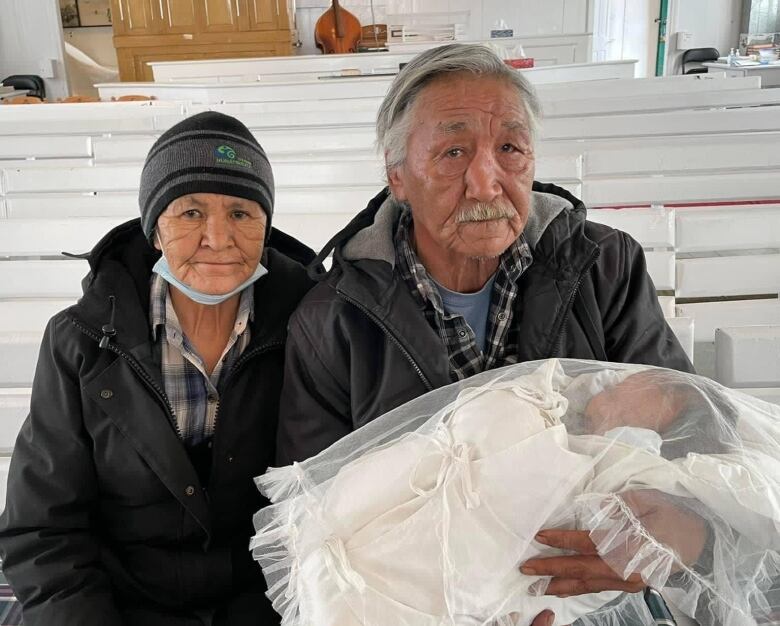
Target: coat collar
375, 239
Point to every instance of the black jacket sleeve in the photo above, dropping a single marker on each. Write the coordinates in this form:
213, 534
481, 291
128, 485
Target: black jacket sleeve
314, 409
635, 330
51, 555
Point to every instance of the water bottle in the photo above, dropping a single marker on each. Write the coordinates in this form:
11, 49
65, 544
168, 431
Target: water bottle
732, 60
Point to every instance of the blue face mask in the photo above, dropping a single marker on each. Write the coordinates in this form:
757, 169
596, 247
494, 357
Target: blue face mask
163, 269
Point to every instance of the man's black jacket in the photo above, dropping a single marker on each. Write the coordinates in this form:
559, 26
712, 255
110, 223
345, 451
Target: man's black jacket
359, 344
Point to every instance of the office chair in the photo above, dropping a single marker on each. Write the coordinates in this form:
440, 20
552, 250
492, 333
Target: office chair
33, 84
698, 55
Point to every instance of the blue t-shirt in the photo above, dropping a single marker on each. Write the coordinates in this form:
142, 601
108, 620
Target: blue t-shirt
473, 307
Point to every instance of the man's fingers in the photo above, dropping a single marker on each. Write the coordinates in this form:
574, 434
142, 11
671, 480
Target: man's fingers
564, 587
577, 540
575, 566
545, 618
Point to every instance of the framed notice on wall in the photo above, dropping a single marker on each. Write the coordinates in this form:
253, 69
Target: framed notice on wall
77, 13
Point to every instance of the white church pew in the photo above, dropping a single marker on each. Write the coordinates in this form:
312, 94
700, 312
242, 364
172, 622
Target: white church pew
683, 328
748, 356
670, 123
267, 115
735, 227
667, 305
51, 237
312, 89
577, 47
657, 85
52, 278
712, 315
653, 227
31, 314
641, 190
14, 406
45, 146
345, 106
767, 394
664, 102
660, 266
683, 154
237, 69
275, 142
743, 275
88, 118
63, 179
54, 206
555, 105
20, 353
4, 465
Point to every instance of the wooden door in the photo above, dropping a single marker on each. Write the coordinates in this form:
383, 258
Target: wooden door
178, 16
265, 15
219, 16
133, 17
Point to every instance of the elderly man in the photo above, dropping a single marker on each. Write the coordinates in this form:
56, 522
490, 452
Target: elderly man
155, 400
464, 264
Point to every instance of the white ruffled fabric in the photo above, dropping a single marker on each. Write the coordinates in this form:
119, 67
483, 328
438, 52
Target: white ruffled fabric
424, 516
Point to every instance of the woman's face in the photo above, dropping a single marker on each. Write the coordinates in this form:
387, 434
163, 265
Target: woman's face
213, 243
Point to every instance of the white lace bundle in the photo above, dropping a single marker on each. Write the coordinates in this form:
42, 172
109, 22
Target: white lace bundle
424, 516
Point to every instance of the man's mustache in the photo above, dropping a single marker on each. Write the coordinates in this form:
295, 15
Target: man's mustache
485, 212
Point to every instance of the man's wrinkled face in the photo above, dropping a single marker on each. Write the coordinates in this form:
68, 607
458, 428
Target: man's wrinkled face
469, 165
212, 242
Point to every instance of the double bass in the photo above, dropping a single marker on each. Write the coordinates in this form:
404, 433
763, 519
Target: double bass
337, 31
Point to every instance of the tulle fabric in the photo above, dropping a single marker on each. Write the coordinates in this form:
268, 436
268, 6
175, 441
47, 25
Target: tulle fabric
424, 516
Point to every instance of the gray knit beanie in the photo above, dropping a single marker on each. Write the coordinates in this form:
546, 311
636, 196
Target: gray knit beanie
207, 153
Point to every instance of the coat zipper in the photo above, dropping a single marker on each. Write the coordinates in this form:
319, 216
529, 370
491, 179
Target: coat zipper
239, 364
140, 372
233, 370
570, 303
392, 338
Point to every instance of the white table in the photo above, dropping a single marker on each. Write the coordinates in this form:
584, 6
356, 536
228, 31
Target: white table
770, 74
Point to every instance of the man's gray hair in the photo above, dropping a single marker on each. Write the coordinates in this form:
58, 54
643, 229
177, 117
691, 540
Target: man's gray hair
393, 120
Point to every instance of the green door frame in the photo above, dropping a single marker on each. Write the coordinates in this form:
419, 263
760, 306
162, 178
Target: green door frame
660, 55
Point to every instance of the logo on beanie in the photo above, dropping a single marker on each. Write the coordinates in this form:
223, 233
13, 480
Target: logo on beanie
227, 156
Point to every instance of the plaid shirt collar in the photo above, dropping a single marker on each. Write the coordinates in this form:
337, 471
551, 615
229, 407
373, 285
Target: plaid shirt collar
466, 358
160, 307
193, 393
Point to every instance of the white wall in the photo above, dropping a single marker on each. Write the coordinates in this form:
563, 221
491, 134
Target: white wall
713, 23
526, 17
31, 32
96, 42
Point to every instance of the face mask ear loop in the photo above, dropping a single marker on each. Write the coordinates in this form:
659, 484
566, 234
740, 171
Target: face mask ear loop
157, 235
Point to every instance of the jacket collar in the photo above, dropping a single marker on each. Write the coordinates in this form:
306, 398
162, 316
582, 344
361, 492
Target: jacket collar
375, 240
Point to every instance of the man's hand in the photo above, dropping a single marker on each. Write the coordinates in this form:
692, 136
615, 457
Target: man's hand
587, 572
584, 572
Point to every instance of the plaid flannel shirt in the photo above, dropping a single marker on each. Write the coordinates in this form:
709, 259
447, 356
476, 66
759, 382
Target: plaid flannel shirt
193, 394
466, 358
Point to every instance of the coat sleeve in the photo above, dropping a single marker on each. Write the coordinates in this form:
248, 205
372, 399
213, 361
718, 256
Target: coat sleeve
635, 330
314, 409
50, 551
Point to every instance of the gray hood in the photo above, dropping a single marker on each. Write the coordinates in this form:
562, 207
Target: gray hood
375, 242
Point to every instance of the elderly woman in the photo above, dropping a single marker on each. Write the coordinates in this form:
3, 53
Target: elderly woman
155, 402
